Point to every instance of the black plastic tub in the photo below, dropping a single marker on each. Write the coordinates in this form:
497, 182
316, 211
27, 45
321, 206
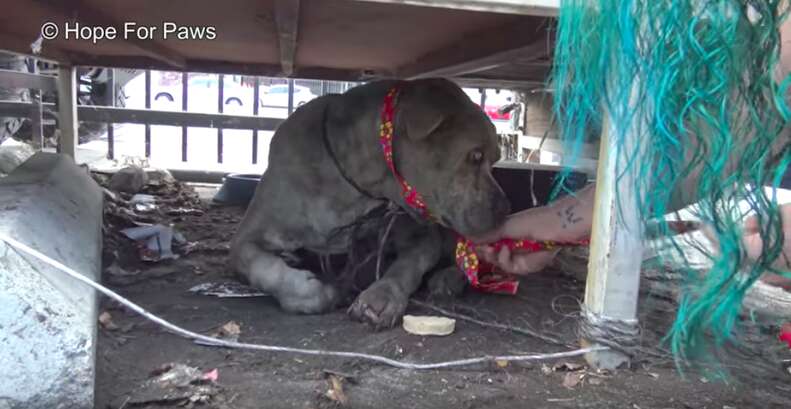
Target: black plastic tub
237, 189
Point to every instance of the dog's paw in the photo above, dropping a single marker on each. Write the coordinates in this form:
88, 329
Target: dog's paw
381, 305
447, 283
303, 293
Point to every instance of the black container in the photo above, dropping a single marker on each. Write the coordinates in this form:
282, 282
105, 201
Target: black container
237, 189
515, 179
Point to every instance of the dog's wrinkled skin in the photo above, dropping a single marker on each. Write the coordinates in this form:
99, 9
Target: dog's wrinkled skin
444, 146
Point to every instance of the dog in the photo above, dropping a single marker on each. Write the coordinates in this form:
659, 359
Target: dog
327, 170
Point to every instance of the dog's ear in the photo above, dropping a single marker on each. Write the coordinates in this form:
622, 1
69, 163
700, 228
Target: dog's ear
424, 104
421, 123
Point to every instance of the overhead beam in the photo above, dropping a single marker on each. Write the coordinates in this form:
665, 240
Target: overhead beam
86, 14
547, 8
498, 84
483, 50
287, 23
223, 67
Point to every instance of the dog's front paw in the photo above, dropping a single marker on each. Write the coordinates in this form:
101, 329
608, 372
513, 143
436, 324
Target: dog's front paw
447, 283
381, 305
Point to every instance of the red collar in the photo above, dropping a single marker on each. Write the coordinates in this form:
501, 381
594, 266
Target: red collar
480, 275
410, 195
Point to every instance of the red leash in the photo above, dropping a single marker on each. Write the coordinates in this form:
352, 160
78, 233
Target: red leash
480, 274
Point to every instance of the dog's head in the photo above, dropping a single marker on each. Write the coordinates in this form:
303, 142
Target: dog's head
445, 147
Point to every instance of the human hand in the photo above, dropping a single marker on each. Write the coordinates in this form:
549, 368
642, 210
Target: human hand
517, 261
752, 243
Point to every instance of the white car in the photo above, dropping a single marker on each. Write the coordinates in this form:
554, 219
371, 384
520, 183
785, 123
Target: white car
201, 93
276, 96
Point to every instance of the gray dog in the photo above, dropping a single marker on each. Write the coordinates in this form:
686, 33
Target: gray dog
327, 170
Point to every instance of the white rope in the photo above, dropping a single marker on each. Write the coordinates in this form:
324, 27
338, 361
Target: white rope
212, 341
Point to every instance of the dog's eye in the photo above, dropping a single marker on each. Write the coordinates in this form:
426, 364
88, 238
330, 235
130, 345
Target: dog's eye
476, 156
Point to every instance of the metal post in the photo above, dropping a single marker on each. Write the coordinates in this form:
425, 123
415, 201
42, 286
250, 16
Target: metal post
184, 99
483, 97
110, 94
290, 96
219, 110
323, 87
67, 110
148, 106
256, 103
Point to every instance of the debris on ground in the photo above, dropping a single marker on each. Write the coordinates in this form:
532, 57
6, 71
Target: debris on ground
335, 392
227, 289
143, 203
106, 321
158, 241
159, 177
229, 331
130, 179
184, 211
212, 375
572, 379
428, 325
13, 154
175, 384
567, 367
117, 271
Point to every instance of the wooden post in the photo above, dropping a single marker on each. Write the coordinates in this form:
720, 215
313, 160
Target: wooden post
67, 110
110, 102
36, 120
613, 281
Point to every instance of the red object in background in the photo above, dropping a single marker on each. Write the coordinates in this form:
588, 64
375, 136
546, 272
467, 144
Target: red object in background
785, 334
494, 113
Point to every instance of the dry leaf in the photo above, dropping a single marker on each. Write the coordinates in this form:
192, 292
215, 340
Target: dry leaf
106, 321
335, 393
595, 381
572, 379
229, 331
501, 363
545, 369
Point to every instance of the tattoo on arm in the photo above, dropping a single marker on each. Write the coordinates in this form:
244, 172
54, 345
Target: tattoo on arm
569, 217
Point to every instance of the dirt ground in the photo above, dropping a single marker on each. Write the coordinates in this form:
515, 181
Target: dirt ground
132, 351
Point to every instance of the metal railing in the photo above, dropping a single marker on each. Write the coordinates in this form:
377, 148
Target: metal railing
41, 113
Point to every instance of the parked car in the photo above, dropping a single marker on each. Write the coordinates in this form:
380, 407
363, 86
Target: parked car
202, 92
495, 101
276, 96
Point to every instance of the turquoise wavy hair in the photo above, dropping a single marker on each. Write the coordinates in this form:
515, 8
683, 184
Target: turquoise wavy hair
670, 69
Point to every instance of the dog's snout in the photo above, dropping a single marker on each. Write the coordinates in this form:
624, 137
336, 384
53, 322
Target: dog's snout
501, 207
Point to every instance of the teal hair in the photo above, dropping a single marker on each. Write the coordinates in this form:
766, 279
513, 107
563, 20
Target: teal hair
669, 69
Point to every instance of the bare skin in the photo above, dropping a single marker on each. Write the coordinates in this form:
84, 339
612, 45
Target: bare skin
566, 219
570, 219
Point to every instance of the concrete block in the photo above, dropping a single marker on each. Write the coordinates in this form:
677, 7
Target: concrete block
13, 154
47, 319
